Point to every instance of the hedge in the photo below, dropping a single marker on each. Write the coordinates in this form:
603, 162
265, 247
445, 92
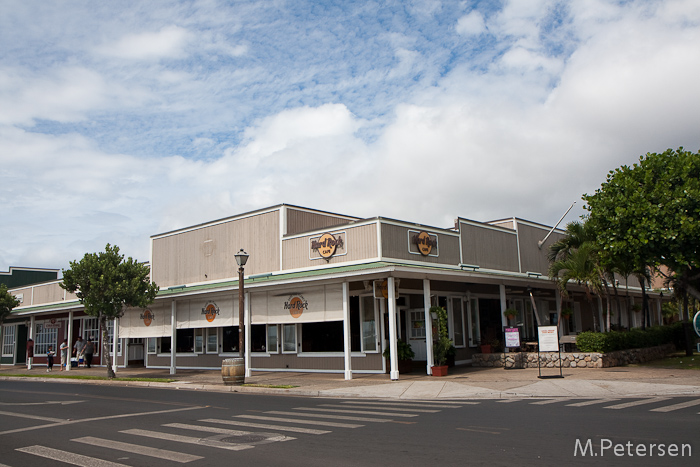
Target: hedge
603, 342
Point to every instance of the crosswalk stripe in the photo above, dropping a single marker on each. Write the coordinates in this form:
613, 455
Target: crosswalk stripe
138, 449
187, 439
301, 422
294, 429
407, 404
681, 405
224, 431
508, 401
548, 401
334, 417
591, 402
68, 457
33, 417
635, 403
359, 412
398, 409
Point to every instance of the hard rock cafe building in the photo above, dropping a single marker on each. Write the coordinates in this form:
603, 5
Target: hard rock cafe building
324, 292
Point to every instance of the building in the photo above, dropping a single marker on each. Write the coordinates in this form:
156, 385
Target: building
326, 292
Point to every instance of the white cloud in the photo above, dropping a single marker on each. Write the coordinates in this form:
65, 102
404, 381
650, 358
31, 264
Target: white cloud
169, 42
471, 24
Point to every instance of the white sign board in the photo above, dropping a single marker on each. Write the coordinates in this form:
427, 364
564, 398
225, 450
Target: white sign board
512, 337
548, 337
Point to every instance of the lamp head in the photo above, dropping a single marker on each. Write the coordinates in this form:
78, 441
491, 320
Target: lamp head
241, 258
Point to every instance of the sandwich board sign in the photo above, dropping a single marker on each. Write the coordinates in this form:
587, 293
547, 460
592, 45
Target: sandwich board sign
548, 341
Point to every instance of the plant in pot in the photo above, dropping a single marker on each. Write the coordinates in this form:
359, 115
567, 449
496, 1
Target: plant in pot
443, 344
566, 313
510, 313
404, 354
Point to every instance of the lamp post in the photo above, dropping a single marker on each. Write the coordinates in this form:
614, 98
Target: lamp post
241, 259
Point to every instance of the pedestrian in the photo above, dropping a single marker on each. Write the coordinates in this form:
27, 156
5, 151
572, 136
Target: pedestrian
49, 358
30, 353
89, 350
78, 349
64, 354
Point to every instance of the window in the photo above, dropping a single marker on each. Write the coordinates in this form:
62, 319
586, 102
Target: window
184, 342
458, 322
258, 338
44, 338
272, 345
110, 338
91, 330
289, 338
212, 340
369, 325
229, 339
152, 345
8, 340
322, 337
474, 326
199, 340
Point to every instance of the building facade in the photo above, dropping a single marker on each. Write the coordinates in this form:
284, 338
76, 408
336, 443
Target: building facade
325, 292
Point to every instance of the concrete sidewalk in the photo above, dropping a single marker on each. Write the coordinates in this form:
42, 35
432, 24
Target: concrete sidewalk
462, 382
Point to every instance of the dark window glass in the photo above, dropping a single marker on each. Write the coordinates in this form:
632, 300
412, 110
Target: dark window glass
258, 338
322, 337
229, 339
185, 341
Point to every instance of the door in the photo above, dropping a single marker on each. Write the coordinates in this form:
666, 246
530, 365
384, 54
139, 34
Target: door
416, 337
21, 344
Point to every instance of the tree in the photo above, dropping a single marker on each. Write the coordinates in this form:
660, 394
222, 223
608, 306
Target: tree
106, 285
648, 215
7, 303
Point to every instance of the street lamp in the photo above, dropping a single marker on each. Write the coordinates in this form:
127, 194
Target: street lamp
241, 259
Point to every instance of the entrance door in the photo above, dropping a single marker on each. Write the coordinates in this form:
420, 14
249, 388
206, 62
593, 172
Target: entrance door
416, 336
21, 344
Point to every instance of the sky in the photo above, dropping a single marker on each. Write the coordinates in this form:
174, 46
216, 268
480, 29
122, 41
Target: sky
122, 120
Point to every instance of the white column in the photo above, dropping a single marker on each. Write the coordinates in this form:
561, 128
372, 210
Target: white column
69, 339
31, 336
115, 343
504, 304
246, 322
173, 336
346, 330
394, 372
557, 298
428, 328
385, 343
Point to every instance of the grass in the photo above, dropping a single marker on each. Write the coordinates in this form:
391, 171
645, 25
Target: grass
86, 377
676, 361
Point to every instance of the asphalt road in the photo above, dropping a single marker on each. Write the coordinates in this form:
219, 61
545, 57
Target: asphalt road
44, 423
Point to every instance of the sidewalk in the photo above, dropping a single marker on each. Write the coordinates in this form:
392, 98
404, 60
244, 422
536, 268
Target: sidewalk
462, 382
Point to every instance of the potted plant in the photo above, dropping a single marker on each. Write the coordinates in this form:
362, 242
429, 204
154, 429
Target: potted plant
443, 344
510, 313
405, 355
566, 313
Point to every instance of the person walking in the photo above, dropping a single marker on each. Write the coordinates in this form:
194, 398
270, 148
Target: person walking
49, 359
89, 350
30, 353
78, 349
64, 353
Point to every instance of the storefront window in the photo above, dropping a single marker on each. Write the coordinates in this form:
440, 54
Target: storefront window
110, 337
229, 339
184, 342
369, 325
212, 340
272, 338
91, 329
8, 340
44, 338
289, 338
322, 337
258, 338
474, 326
199, 340
152, 341
458, 322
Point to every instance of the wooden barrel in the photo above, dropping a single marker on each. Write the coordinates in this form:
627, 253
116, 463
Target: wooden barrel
233, 371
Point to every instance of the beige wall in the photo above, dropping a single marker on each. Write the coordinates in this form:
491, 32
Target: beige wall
489, 248
533, 258
299, 221
207, 253
360, 244
50, 292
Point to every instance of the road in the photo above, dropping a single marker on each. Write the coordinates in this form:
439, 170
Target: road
44, 423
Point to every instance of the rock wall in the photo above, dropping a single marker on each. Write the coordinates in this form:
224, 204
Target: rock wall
571, 359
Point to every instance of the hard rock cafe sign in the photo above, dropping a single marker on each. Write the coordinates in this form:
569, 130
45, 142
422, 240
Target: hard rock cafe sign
424, 242
210, 311
147, 317
327, 245
296, 305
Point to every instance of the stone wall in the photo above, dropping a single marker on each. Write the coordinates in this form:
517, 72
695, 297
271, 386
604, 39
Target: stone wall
571, 359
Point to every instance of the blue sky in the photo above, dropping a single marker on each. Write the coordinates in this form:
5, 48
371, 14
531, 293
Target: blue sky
120, 120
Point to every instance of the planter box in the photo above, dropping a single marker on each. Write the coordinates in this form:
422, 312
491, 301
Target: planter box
439, 370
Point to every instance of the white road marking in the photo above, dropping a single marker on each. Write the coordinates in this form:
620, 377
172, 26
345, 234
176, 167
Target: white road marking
334, 417
681, 405
42, 403
138, 449
391, 405
548, 401
68, 457
33, 417
398, 409
224, 431
359, 412
591, 402
636, 403
187, 439
301, 422
294, 429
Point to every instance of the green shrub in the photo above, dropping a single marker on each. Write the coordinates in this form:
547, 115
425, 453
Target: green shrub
604, 342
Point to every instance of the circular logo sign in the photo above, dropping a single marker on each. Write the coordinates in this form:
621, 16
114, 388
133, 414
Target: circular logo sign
211, 312
296, 305
327, 245
147, 317
424, 243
